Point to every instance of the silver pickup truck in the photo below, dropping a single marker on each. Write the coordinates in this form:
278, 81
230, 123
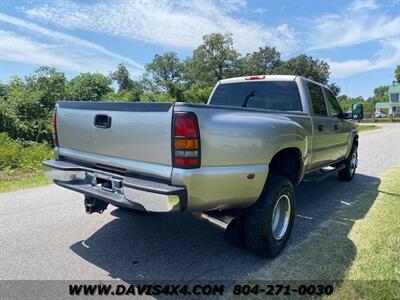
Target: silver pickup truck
233, 161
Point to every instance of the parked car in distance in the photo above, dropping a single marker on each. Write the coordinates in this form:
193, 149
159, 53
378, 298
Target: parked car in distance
236, 158
380, 115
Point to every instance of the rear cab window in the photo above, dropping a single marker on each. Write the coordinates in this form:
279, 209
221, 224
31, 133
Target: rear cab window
270, 95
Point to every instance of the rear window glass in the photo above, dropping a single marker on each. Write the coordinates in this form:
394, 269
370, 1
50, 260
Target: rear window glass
273, 95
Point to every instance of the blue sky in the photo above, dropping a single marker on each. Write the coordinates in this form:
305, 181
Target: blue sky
360, 39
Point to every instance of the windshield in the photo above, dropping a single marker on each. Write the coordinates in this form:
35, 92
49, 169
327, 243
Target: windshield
273, 95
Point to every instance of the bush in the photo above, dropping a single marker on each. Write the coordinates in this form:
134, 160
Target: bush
18, 156
9, 150
197, 94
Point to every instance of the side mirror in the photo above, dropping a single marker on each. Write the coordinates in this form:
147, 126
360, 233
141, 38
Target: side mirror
357, 111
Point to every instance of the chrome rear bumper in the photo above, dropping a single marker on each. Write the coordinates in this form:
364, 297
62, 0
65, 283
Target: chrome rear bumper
126, 191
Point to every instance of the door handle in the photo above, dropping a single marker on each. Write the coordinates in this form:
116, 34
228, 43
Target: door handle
335, 127
320, 127
102, 121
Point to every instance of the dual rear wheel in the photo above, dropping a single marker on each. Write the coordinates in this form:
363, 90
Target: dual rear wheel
265, 226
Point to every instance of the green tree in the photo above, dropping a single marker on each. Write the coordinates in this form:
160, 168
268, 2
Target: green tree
166, 72
334, 88
397, 73
128, 89
30, 102
131, 95
165, 68
306, 66
3, 90
89, 87
213, 60
49, 83
197, 94
381, 91
8, 119
149, 96
121, 76
263, 61
346, 102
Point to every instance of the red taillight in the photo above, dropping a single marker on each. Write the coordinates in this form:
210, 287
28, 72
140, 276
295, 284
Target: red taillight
257, 77
185, 126
54, 128
186, 141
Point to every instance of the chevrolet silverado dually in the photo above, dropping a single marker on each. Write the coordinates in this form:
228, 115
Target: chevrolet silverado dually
233, 161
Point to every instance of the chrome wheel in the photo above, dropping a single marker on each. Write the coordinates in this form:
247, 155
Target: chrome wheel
353, 162
281, 217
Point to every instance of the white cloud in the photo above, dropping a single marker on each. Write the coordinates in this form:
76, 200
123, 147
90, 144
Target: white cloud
24, 49
387, 57
233, 5
68, 41
21, 49
260, 10
348, 30
179, 25
358, 24
361, 5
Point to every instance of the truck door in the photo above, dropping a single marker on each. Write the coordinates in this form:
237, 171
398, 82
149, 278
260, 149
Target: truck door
341, 128
322, 128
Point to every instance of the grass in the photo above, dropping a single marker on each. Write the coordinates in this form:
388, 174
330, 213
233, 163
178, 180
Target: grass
367, 127
11, 183
377, 240
381, 120
358, 248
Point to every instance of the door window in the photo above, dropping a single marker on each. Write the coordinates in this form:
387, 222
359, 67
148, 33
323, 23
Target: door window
317, 99
333, 104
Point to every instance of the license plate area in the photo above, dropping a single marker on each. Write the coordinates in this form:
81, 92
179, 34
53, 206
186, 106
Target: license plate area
107, 183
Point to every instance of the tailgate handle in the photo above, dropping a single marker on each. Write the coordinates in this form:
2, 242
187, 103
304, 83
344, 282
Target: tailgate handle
102, 121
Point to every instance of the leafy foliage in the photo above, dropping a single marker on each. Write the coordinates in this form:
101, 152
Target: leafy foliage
334, 88
264, 61
213, 60
307, 66
380, 95
197, 94
381, 91
26, 103
121, 76
89, 87
16, 155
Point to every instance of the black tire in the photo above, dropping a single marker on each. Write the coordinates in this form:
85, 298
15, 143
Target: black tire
258, 228
234, 234
348, 172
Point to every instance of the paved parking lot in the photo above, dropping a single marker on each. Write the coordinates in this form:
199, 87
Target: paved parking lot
45, 233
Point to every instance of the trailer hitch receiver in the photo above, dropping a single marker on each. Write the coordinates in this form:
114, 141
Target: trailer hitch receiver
93, 205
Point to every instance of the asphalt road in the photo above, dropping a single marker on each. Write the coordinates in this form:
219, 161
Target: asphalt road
45, 233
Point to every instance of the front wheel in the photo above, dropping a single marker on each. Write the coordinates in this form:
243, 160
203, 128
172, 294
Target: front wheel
351, 163
268, 223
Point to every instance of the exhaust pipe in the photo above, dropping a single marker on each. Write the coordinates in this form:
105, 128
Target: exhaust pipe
230, 222
216, 218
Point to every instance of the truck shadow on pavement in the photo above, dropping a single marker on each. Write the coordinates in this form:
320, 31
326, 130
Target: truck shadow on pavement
148, 246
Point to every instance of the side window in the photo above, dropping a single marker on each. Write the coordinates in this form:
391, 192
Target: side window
333, 104
317, 99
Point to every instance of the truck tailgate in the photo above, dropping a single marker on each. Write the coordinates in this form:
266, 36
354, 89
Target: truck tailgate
137, 138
